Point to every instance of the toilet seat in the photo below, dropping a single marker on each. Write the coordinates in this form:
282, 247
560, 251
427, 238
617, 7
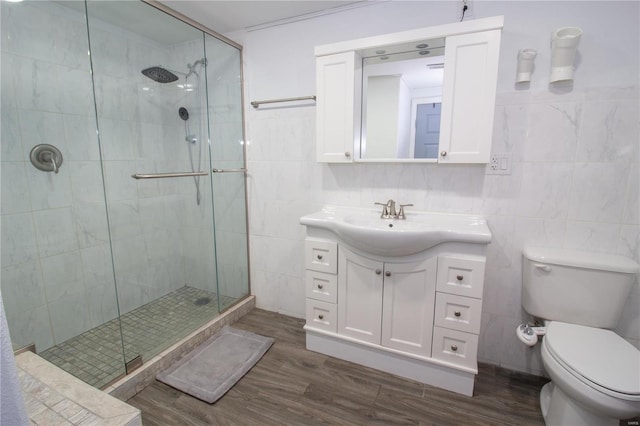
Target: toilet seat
599, 358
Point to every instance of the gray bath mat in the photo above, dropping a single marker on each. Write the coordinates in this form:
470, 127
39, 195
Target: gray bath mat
211, 369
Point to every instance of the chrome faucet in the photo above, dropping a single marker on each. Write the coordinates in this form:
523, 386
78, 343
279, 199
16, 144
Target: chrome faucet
389, 210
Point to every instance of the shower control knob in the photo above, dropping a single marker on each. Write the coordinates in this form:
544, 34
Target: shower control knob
460, 277
454, 348
457, 313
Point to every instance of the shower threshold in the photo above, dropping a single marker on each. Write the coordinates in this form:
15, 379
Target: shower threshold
96, 356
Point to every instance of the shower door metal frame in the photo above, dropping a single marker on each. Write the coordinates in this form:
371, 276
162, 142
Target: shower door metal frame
174, 13
166, 9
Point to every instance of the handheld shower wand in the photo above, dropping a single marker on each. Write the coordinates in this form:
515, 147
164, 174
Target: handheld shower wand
191, 139
184, 115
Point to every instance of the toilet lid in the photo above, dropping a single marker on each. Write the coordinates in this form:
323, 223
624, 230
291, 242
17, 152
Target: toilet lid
600, 356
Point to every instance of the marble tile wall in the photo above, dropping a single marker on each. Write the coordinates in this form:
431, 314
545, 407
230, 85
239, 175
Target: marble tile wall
574, 152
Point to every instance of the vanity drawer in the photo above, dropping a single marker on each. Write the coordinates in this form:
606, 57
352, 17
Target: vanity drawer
321, 286
460, 275
455, 347
322, 315
458, 312
321, 256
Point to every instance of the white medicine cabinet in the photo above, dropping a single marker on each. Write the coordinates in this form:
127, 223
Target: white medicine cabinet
424, 95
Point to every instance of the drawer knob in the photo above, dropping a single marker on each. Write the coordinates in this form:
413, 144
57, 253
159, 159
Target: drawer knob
320, 286
319, 257
322, 317
459, 277
457, 313
454, 348
387, 274
378, 271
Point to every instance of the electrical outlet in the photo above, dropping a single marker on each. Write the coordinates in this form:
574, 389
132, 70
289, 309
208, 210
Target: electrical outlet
499, 164
468, 13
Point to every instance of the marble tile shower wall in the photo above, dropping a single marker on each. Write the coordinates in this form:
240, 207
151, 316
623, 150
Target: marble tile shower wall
574, 184
57, 277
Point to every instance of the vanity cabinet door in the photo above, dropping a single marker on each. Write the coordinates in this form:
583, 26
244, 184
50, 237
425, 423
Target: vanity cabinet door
468, 97
360, 283
337, 107
408, 306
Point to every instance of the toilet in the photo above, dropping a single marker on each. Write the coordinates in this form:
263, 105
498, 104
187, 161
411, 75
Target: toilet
579, 296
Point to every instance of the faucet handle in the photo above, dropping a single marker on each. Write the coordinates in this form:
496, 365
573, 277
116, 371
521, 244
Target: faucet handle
385, 210
401, 214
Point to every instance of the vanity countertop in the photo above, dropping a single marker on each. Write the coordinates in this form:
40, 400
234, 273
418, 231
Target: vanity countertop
365, 229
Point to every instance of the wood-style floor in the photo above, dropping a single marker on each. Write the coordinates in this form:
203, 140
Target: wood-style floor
293, 386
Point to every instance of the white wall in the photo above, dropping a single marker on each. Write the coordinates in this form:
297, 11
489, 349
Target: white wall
382, 118
574, 180
404, 121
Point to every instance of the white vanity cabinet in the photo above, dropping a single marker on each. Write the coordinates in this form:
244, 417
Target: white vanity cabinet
417, 317
386, 303
402, 296
471, 54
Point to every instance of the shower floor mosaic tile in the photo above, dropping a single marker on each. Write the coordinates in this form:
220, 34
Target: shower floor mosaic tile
96, 356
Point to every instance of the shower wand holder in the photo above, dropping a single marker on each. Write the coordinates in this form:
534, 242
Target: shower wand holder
46, 157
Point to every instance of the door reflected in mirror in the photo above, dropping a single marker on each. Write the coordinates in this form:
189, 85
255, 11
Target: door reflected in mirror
425, 134
401, 102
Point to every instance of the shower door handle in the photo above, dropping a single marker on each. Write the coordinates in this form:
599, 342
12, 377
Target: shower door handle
167, 175
242, 170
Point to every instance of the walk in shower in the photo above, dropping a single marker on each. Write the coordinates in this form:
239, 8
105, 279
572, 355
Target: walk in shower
122, 181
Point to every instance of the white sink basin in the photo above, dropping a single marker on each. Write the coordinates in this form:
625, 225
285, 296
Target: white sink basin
365, 230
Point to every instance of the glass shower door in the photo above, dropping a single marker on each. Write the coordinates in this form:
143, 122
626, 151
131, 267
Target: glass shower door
227, 155
149, 74
57, 276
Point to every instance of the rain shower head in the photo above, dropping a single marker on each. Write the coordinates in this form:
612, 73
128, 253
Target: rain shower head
159, 74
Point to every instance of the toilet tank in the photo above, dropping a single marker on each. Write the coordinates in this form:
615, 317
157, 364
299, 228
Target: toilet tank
575, 286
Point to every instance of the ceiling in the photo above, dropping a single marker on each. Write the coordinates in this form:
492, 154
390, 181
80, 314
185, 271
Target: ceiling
227, 16
221, 16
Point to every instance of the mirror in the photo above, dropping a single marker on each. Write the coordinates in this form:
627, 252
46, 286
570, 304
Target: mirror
401, 101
